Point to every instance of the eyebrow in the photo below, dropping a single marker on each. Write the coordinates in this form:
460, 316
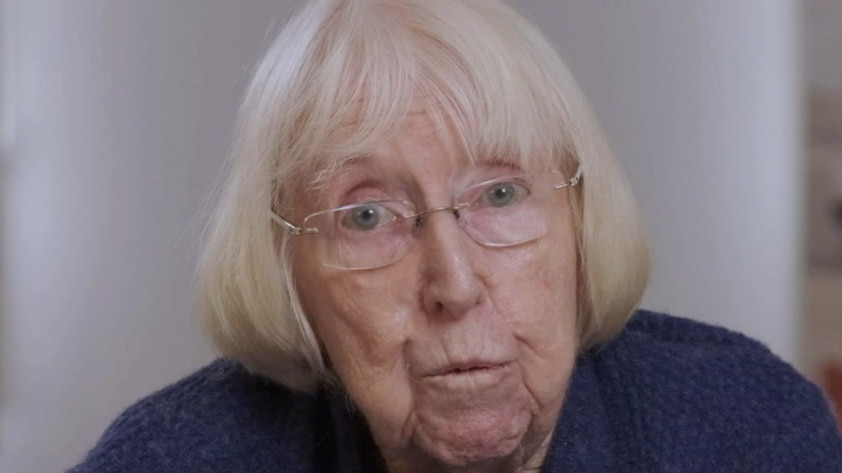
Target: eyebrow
335, 166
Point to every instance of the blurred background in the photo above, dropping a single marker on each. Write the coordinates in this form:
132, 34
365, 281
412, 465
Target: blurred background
116, 116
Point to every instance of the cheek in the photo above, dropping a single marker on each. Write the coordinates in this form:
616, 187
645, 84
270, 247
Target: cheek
357, 323
363, 326
538, 294
354, 316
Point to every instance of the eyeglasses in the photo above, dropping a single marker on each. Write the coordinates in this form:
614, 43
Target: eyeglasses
501, 212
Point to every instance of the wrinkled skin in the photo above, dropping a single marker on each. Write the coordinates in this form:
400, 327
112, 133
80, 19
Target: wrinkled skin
458, 355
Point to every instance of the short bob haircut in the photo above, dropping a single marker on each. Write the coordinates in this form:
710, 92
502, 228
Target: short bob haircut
479, 69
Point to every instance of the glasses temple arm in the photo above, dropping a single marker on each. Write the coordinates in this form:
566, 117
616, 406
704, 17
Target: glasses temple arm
285, 224
573, 180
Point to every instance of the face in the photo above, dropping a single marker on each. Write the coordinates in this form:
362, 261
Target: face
458, 354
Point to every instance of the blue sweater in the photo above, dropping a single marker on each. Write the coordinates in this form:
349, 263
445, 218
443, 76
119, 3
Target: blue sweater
667, 395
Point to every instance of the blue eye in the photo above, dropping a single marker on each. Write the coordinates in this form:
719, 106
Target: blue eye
366, 217
502, 194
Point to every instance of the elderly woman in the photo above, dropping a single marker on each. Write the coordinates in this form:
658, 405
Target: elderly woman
427, 260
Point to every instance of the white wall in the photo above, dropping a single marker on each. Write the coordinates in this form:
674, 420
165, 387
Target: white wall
124, 117
125, 110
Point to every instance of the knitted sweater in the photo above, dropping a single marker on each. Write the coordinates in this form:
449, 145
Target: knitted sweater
667, 395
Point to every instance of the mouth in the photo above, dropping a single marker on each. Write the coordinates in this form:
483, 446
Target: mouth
471, 377
456, 369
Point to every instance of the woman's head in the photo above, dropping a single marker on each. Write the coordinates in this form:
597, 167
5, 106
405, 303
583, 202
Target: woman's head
416, 101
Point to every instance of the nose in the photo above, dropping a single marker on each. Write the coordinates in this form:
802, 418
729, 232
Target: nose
451, 284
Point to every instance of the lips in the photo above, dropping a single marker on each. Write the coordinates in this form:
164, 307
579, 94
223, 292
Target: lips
454, 381
468, 368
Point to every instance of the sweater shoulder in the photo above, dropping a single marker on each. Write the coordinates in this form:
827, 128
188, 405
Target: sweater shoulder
673, 356
695, 390
656, 326
219, 415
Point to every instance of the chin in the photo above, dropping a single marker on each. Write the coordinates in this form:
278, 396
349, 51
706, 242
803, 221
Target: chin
464, 445
474, 456
466, 433
474, 451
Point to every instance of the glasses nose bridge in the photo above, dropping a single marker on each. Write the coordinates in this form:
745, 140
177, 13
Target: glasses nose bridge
455, 209
460, 220
442, 232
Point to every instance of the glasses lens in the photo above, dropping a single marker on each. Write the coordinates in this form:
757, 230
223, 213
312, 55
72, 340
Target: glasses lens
510, 210
363, 236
